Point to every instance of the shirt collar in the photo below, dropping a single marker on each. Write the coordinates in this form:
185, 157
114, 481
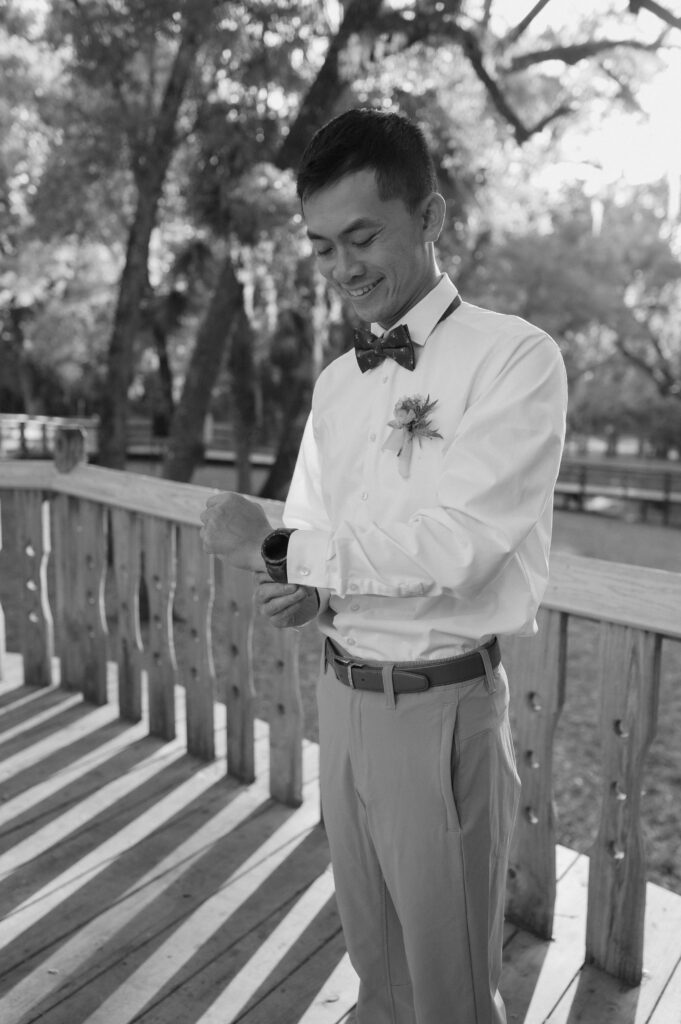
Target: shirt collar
425, 315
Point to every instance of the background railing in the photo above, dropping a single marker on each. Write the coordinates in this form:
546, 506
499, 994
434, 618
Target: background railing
139, 537
657, 484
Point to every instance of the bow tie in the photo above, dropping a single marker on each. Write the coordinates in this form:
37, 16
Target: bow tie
395, 344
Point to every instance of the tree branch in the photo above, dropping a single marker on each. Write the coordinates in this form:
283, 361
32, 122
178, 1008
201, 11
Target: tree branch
515, 33
472, 50
661, 376
576, 52
657, 9
625, 92
522, 132
561, 111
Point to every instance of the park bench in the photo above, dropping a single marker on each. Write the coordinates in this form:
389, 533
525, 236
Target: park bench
161, 852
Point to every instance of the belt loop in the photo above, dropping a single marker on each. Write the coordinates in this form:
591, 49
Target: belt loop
388, 688
489, 671
327, 654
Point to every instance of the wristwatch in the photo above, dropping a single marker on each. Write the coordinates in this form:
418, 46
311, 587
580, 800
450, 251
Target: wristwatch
274, 550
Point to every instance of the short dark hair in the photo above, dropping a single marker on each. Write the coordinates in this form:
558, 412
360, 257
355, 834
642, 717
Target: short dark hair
389, 144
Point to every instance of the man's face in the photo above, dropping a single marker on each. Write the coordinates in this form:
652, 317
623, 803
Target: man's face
375, 252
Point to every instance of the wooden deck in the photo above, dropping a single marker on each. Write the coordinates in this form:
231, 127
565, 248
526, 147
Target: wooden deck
140, 884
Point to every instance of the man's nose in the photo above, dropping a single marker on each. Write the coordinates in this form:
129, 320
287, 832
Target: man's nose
347, 265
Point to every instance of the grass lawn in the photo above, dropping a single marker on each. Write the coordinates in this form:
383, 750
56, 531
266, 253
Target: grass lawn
577, 772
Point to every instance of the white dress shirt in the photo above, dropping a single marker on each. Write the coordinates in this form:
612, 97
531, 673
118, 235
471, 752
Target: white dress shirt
430, 565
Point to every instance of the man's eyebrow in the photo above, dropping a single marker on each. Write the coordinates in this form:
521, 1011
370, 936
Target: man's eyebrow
355, 225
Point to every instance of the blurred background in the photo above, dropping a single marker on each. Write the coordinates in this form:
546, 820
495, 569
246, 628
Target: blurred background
153, 265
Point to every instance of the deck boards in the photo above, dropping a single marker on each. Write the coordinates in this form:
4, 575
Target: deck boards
139, 884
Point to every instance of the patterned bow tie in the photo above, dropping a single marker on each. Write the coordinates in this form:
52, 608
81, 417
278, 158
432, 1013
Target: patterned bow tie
395, 344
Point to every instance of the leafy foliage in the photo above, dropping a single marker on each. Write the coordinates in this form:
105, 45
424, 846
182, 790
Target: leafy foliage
145, 146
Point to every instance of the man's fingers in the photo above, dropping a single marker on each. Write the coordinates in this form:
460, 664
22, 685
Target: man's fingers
217, 499
277, 603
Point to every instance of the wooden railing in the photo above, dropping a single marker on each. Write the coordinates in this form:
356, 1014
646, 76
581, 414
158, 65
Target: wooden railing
580, 479
658, 484
87, 521
23, 436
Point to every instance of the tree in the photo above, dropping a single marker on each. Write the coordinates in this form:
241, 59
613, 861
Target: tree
371, 36
165, 110
609, 292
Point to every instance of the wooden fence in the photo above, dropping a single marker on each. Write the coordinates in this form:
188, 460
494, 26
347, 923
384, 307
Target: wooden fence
658, 484
144, 531
580, 479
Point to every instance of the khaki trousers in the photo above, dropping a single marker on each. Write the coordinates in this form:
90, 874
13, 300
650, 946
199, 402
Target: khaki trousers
419, 798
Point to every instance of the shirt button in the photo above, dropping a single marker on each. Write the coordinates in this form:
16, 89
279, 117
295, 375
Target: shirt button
304, 571
353, 586
355, 606
385, 379
350, 642
364, 495
372, 437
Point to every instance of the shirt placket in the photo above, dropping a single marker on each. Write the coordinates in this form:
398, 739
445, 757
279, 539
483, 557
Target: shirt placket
381, 404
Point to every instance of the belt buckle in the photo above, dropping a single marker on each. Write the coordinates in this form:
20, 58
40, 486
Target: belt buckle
347, 664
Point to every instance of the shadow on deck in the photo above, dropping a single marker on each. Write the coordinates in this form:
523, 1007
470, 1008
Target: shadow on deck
139, 884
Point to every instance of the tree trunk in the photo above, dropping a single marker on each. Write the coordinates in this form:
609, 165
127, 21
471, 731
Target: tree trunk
292, 427
327, 87
151, 169
295, 340
163, 414
243, 398
186, 445
185, 448
114, 405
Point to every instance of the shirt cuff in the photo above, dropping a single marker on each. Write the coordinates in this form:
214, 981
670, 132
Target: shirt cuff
306, 561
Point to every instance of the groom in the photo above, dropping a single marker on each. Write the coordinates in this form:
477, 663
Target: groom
418, 525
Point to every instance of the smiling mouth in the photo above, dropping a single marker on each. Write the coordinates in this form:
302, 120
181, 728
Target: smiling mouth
360, 293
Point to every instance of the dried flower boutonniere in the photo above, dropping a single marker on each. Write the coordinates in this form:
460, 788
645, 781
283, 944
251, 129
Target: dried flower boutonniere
412, 420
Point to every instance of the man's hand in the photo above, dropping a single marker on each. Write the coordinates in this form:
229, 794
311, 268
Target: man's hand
234, 528
285, 604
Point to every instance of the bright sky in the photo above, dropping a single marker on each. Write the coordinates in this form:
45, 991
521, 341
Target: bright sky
627, 146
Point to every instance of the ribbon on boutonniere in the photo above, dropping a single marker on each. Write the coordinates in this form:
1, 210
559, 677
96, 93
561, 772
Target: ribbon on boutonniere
412, 420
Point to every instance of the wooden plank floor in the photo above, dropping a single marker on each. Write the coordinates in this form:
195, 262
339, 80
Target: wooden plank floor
140, 885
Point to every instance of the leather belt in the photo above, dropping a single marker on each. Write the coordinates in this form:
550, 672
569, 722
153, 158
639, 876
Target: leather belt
412, 678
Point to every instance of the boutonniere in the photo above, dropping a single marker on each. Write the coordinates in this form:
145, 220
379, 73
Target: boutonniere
412, 420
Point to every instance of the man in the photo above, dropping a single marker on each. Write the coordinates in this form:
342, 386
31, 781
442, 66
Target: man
418, 529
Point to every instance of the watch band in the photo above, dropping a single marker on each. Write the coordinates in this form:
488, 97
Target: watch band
274, 551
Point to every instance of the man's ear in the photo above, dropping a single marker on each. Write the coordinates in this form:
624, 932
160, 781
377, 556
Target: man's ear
433, 211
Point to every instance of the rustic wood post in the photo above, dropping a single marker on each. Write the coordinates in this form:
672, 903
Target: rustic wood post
630, 685
69, 448
286, 726
37, 630
195, 573
536, 668
239, 685
80, 529
159, 545
666, 501
127, 545
3, 642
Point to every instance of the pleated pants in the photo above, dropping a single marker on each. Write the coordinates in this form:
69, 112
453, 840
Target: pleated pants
419, 797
